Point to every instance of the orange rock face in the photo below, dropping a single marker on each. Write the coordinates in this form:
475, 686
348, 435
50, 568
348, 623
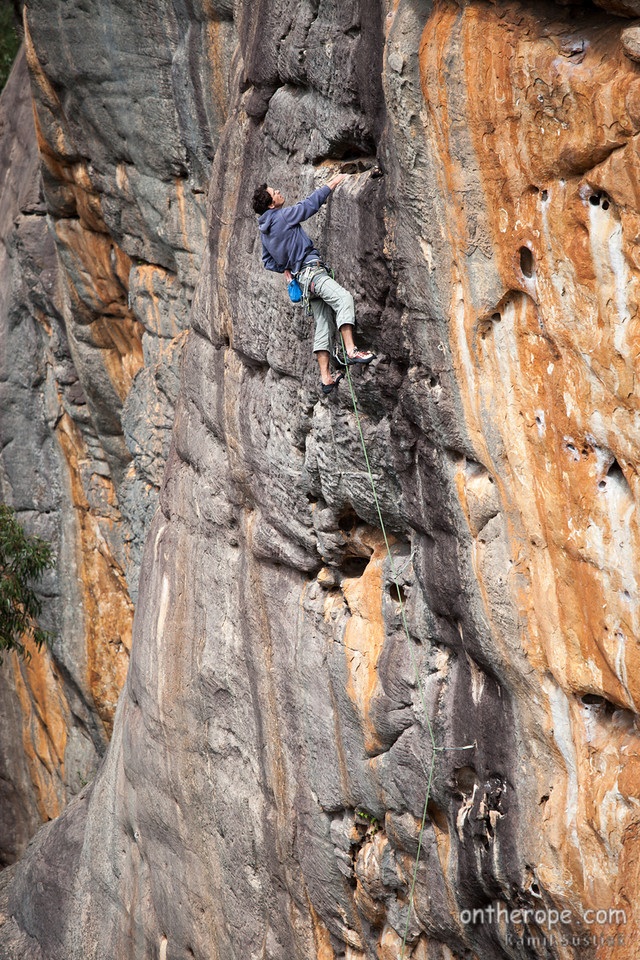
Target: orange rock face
45, 722
542, 180
107, 607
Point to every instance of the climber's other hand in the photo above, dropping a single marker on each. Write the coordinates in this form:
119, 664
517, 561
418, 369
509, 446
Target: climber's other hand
339, 177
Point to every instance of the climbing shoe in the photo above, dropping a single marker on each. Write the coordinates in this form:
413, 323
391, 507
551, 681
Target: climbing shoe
360, 356
328, 387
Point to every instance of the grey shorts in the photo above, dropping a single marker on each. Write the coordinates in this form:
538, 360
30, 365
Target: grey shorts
332, 306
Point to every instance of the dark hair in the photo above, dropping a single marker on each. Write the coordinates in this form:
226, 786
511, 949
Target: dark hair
262, 199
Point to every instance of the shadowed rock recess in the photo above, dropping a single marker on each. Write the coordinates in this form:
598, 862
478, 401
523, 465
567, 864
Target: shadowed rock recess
261, 794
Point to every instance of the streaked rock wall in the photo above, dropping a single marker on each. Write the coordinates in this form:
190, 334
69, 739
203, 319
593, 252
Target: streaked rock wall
264, 786
548, 361
57, 709
101, 254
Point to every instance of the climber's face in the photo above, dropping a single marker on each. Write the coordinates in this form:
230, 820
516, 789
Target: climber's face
276, 197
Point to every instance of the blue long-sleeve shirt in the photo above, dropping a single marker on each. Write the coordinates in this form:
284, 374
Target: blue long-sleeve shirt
285, 245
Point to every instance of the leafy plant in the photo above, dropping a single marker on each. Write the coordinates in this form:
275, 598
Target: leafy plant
23, 560
367, 819
9, 41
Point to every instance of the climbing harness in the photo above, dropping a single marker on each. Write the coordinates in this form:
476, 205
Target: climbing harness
312, 270
434, 748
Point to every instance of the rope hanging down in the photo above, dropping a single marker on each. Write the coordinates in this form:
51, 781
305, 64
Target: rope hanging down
434, 748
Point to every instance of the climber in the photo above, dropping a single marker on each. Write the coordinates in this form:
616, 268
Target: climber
287, 249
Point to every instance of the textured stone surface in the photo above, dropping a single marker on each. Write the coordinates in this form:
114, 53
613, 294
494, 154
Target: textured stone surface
100, 260
262, 793
630, 37
549, 369
57, 709
124, 176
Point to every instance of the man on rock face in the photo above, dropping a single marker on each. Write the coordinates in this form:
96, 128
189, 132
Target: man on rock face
287, 249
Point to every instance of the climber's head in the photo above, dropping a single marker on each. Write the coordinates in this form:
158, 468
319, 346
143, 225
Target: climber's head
276, 198
266, 198
262, 199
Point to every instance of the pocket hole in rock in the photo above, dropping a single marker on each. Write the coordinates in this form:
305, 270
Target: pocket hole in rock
465, 779
615, 471
527, 264
615, 474
601, 703
347, 521
438, 816
354, 566
397, 593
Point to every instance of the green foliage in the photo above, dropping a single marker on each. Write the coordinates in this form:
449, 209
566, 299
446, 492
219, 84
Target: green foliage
363, 817
23, 560
9, 40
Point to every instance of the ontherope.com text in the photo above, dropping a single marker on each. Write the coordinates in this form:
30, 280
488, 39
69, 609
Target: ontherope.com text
543, 916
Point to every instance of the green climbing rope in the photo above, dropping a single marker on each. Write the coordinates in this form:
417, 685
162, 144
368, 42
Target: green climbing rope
405, 625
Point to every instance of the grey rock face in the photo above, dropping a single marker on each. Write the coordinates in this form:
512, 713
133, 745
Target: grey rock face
630, 38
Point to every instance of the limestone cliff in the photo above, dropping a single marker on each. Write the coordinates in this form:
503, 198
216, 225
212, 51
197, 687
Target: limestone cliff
56, 710
93, 333
262, 793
